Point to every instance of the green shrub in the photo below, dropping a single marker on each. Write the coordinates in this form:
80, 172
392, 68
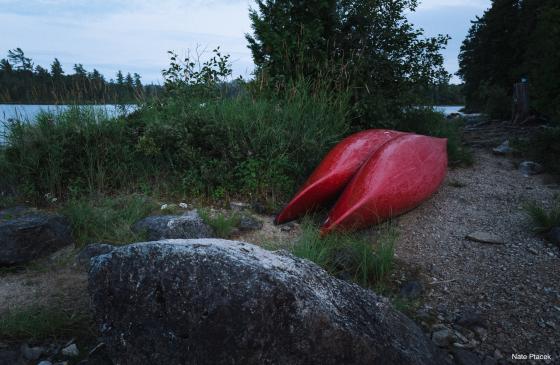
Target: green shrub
106, 219
544, 219
544, 148
348, 255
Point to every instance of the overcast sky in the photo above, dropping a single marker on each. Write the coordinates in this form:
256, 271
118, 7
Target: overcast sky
135, 35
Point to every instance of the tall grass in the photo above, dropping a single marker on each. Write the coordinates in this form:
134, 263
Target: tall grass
222, 224
218, 147
106, 219
40, 324
349, 256
544, 219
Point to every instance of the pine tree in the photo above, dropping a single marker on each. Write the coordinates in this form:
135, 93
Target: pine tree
56, 69
369, 47
488, 58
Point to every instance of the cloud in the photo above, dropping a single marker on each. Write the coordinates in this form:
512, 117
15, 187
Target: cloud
135, 35
132, 35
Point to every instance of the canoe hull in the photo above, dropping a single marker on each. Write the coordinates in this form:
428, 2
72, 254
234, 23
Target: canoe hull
397, 178
335, 171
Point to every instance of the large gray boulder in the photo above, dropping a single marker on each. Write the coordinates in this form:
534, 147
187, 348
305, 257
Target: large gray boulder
188, 225
26, 235
212, 301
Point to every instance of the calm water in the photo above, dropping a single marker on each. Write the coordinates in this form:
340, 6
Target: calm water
29, 112
449, 109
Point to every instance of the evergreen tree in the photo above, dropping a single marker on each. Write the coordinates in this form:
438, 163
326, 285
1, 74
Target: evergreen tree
488, 58
18, 59
56, 69
368, 47
513, 40
5, 66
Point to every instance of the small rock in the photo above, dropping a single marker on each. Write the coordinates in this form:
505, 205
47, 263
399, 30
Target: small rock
248, 223
90, 251
238, 206
45, 362
31, 353
188, 225
260, 208
11, 358
443, 337
528, 168
481, 332
464, 357
71, 351
498, 354
183, 206
554, 235
14, 212
287, 227
470, 318
503, 149
485, 237
411, 290
532, 250
489, 360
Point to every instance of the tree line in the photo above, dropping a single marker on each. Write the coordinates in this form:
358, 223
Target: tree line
21, 81
513, 41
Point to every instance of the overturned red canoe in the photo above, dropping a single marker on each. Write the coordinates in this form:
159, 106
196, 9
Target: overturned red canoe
398, 177
335, 171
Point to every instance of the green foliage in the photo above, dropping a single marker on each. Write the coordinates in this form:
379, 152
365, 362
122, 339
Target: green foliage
223, 224
367, 47
429, 122
39, 323
199, 80
544, 148
106, 219
544, 220
348, 255
513, 40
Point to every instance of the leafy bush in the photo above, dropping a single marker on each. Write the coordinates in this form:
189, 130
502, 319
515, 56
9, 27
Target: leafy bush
348, 255
106, 219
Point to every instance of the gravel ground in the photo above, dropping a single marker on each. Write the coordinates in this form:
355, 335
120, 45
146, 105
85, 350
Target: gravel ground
514, 288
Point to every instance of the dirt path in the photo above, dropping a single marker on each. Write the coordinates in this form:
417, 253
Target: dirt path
515, 287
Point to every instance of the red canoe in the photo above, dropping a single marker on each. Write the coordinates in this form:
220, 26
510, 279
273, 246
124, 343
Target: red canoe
398, 177
335, 171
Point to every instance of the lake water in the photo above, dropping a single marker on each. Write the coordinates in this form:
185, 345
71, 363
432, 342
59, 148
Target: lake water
29, 112
449, 109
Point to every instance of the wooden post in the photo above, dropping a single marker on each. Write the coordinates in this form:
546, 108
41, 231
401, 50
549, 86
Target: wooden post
520, 102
